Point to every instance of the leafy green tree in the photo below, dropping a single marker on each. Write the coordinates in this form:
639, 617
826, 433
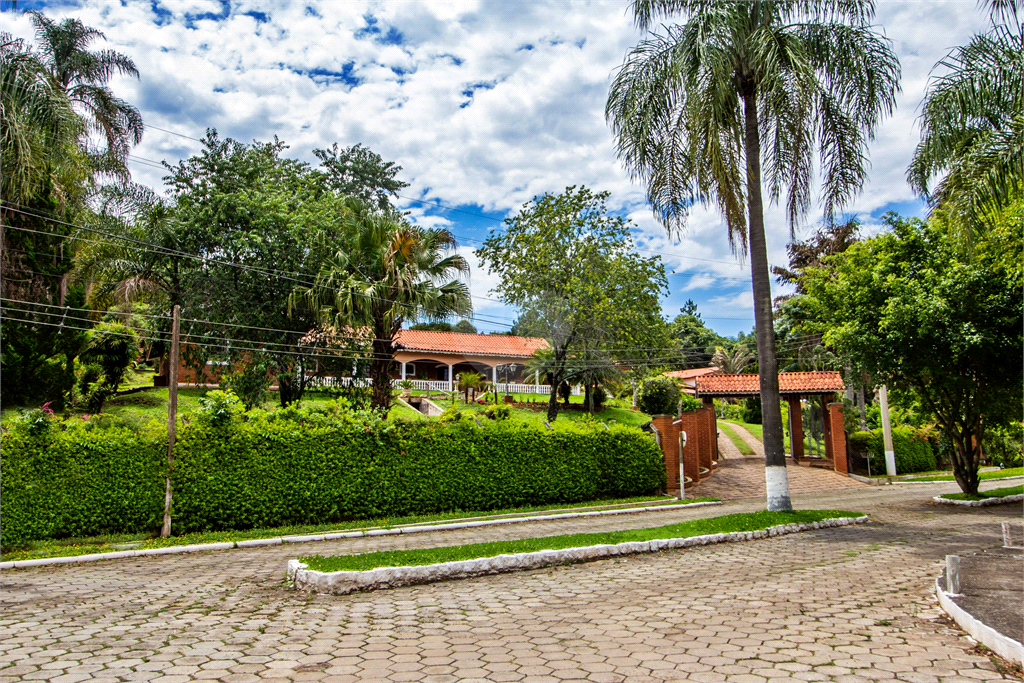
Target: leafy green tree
432, 327
359, 172
972, 124
919, 315
83, 74
464, 327
695, 341
386, 272
113, 348
697, 110
582, 279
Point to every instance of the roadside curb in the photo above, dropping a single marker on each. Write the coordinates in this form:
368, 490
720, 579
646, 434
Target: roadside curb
981, 503
343, 582
279, 540
986, 635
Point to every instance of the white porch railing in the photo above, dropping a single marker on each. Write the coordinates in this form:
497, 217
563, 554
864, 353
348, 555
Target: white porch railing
437, 385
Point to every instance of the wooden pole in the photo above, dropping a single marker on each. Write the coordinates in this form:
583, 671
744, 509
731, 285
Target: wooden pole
172, 415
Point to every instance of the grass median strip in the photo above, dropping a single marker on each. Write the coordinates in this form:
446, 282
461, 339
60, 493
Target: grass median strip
1000, 474
70, 547
982, 495
750, 521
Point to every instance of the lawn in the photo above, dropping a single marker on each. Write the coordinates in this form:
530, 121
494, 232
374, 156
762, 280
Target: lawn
532, 409
999, 474
748, 521
982, 495
113, 542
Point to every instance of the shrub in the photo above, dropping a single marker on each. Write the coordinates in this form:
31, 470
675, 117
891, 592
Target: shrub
689, 404
498, 411
860, 441
250, 381
752, 410
600, 396
272, 470
658, 396
79, 482
1002, 445
218, 408
912, 450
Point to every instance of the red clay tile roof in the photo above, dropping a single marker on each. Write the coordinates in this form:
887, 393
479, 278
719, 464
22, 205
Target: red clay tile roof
690, 373
822, 382
469, 344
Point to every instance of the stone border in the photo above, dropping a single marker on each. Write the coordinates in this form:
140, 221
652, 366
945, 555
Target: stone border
1003, 646
395, 531
343, 582
1016, 498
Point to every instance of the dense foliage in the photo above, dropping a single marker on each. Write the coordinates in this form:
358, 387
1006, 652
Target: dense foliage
658, 395
911, 446
298, 466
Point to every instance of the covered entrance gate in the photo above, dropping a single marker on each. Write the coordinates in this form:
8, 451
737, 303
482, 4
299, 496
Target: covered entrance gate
793, 388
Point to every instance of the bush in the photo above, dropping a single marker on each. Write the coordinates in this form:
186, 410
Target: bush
1002, 445
689, 404
911, 447
658, 396
269, 471
498, 411
860, 441
752, 410
218, 408
600, 396
250, 381
80, 482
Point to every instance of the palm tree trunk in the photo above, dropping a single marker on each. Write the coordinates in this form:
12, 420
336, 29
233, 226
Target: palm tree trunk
776, 479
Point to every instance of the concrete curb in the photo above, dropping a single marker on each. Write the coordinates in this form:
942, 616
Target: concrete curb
1003, 646
343, 582
912, 478
980, 503
257, 542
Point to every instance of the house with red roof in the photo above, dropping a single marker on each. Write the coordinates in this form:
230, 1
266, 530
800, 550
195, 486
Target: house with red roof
431, 359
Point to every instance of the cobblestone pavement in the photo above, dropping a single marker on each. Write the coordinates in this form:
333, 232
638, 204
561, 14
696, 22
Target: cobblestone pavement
847, 604
742, 476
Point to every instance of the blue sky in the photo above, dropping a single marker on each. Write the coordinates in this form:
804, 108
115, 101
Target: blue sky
484, 104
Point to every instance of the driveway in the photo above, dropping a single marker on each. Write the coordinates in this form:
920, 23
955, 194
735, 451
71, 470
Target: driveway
847, 604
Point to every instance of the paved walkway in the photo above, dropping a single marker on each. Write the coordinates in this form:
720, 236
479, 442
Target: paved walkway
742, 476
849, 604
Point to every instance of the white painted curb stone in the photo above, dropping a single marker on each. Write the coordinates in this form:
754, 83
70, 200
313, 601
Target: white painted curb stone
256, 542
981, 503
340, 583
1005, 647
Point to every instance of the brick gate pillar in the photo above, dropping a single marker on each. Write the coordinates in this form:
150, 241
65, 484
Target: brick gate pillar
670, 449
706, 417
796, 428
690, 423
838, 437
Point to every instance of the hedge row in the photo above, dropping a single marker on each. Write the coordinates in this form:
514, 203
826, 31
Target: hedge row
911, 447
272, 473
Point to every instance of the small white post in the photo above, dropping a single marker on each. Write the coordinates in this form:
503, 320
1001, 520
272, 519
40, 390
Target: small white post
953, 574
890, 454
403, 372
451, 378
536, 382
682, 480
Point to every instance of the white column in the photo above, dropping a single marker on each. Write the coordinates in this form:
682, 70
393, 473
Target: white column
536, 382
494, 377
403, 372
890, 453
451, 379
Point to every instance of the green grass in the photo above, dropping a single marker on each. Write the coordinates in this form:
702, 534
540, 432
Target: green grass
750, 521
982, 495
745, 449
1001, 474
107, 543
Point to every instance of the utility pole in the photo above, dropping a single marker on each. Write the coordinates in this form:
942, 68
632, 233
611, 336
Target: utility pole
890, 454
172, 415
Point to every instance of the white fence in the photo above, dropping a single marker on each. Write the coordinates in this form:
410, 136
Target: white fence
438, 385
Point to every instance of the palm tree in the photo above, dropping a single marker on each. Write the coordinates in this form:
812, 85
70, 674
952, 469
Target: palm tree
972, 123
83, 75
388, 272
732, 363
691, 106
38, 129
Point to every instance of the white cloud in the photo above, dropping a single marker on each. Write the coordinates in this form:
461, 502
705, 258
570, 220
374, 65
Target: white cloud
482, 103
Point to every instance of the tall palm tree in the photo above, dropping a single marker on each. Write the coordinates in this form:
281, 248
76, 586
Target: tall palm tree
692, 105
388, 272
972, 123
83, 75
732, 363
38, 128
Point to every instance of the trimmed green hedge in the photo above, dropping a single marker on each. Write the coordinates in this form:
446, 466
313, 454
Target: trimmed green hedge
913, 451
80, 483
279, 472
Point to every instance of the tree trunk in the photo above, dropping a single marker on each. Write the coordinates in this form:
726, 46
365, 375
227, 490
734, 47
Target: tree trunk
381, 365
587, 396
553, 399
776, 479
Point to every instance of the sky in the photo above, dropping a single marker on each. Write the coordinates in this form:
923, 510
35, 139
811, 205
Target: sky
485, 105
